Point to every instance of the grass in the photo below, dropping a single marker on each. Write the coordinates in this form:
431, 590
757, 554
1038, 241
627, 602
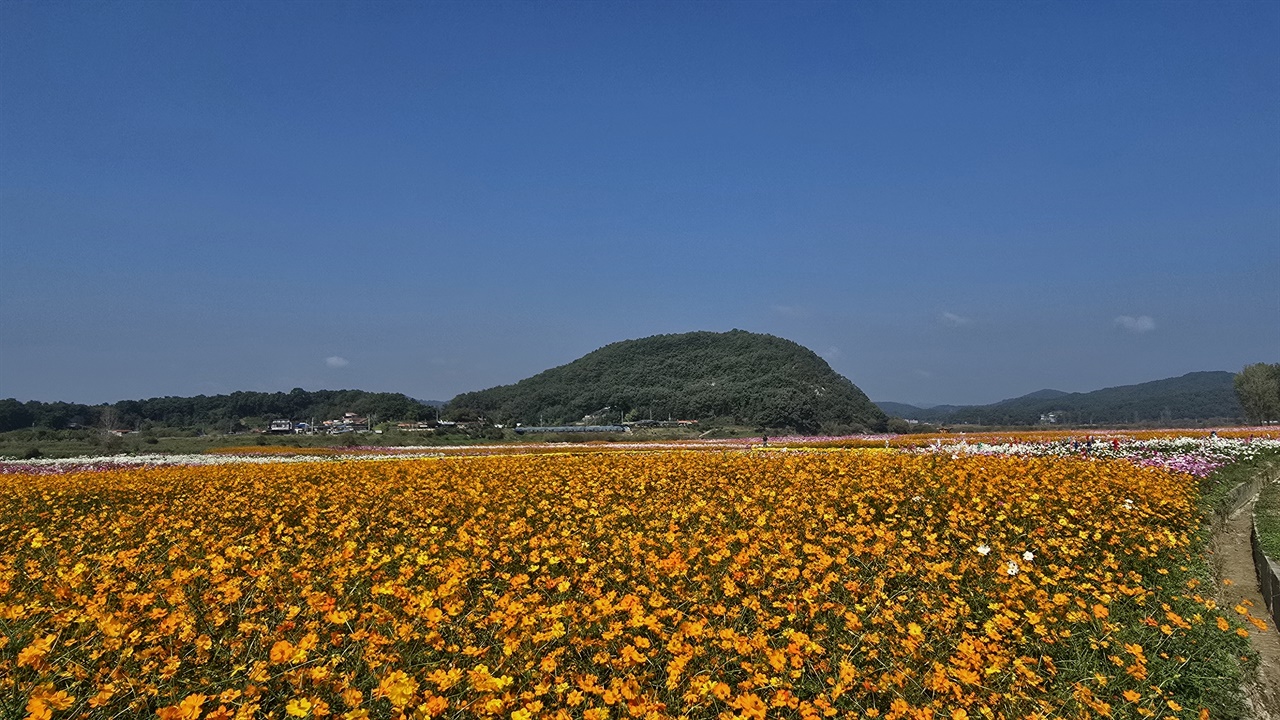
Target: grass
39, 442
1266, 515
1216, 487
80, 443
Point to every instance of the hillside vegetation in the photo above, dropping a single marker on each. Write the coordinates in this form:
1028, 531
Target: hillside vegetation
752, 379
1194, 396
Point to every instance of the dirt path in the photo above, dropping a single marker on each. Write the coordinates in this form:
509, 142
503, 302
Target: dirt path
1234, 563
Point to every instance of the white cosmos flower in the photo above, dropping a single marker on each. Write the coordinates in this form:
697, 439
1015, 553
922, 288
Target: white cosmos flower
983, 549
1028, 556
1012, 569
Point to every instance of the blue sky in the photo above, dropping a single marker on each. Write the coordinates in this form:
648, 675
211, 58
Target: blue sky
951, 202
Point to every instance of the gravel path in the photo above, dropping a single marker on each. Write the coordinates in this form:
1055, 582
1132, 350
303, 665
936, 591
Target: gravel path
1234, 563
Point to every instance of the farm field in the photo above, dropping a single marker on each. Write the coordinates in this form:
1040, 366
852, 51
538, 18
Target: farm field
998, 577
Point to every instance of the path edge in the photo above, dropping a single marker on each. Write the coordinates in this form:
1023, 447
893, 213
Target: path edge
1218, 518
1268, 572
1238, 497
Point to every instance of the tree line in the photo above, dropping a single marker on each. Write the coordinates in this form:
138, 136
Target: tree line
220, 413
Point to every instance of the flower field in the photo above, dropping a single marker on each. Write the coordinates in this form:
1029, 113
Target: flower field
1196, 456
712, 584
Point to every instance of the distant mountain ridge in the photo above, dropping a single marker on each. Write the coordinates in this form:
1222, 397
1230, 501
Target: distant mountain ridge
1194, 396
1045, 394
901, 410
754, 379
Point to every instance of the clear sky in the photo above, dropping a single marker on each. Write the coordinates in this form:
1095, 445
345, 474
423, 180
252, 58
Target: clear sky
951, 202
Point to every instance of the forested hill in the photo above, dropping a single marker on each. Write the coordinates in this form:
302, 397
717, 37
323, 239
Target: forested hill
214, 412
754, 379
1194, 396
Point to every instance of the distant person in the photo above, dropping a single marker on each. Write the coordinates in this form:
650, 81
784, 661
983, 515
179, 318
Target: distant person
764, 441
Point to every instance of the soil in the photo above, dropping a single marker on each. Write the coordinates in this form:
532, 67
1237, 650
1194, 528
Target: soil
1233, 561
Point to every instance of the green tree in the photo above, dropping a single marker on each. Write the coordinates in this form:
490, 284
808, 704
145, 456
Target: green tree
14, 416
1258, 387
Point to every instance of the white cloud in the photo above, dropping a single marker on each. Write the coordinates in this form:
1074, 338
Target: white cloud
954, 320
791, 311
924, 374
334, 361
831, 353
1139, 324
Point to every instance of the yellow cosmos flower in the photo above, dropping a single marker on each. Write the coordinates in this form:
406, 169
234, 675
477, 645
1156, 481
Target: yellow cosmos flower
282, 651
637, 584
398, 687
